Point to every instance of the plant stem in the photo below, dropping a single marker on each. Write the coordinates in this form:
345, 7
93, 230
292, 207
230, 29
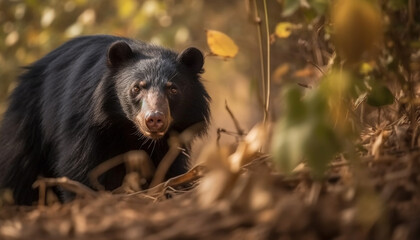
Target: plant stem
257, 20
268, 84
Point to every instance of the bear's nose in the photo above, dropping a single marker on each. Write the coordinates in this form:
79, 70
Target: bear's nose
155, 121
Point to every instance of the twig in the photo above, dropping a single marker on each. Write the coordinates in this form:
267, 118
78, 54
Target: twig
146, 168
192, 175
304, 85
316, 66
67, 184
316, 48
257, 20
235, 121
230, 133
102, 168
314, 192
267, 100
42, 199
175, 143
166, 162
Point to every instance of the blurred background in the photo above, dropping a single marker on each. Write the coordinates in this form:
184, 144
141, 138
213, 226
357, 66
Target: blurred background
29, 29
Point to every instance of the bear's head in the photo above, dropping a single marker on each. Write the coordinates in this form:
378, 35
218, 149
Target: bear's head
158, 89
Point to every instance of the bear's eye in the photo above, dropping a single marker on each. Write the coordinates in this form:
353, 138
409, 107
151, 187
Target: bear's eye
173, 90
135, 90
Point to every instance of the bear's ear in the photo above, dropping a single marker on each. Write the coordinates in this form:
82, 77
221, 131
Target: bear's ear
118, 53
192, 58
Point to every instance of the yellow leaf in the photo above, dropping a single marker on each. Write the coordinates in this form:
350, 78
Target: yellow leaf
220, 44
357, 27
284, 29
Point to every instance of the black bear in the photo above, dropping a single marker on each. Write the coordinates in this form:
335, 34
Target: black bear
93, 98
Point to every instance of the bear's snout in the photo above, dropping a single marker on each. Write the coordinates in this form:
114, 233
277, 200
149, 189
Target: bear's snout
156, 121
154, 117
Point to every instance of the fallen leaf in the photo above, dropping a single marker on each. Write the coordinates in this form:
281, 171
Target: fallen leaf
377, 145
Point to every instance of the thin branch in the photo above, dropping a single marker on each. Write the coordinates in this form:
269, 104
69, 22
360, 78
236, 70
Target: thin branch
175, 143
67, 184
268, 84
145, 166
235, 121
257, 20
317, 67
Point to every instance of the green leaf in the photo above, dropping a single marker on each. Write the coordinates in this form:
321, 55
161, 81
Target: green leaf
380, 96
304, 132
288, 145
290, 7
321, 148
294, 108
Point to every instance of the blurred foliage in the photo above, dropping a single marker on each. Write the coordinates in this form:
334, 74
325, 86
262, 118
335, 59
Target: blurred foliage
305, 132
366, 53
31, 28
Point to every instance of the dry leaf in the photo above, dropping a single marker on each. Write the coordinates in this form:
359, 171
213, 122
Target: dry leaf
305, 72
376, 146
220, 44
280, 72
246, 150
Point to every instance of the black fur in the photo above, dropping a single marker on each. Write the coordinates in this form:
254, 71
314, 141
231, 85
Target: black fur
72, 110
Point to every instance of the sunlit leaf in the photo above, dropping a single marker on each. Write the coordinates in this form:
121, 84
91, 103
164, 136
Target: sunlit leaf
182, 35
283, 29
20, 11
11, 38
380, 96
87, 17
247, 149
152, 8
48, 17
74, 30
220, 44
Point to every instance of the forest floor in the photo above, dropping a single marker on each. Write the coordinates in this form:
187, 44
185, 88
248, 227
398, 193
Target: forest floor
374, 197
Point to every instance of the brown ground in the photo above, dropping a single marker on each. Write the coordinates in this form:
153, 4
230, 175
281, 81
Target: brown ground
374, 197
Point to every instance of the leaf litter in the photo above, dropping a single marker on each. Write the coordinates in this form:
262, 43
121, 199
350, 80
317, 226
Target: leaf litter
240, 194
